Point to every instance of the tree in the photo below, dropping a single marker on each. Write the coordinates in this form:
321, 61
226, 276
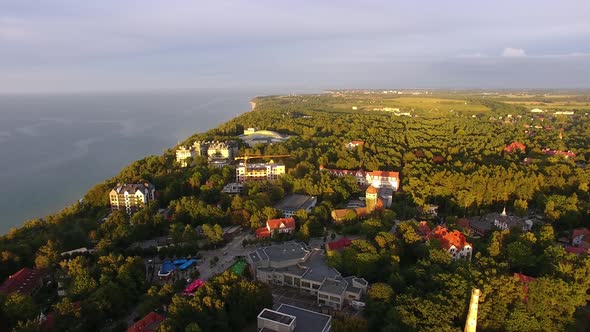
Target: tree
48, 255
519, 255
18, 308
349, 324
380, 292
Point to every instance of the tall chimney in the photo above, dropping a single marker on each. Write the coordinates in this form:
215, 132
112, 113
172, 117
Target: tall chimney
471, 323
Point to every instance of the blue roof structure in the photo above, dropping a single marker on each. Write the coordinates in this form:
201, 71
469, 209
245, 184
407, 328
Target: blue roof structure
179, 261
166, 269
187, 264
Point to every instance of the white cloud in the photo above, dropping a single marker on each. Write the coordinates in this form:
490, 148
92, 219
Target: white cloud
513, 52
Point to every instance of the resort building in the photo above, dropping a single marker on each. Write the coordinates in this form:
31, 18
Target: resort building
217, 152
288, 318
259, 171
294, 265
131, 197
282, 225
25, 281
293, 203
253, 136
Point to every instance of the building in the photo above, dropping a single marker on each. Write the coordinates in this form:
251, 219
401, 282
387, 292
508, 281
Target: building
25, 281
177, 269
288, 318
282, 225
217, 152
454, 242
253, 136
339, 244
565, 154
537, 110
294, 265
233, 188
379, 179
581, 238
505, 222
293, 203
354, 144
344, 215
483, 225
150, 323
259, 171
514, 147
378, 198
132, 197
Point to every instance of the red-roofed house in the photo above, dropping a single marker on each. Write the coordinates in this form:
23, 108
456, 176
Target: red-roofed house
360, 175
25, 281
149, 323
581, 238
454, 242
576, 250
339, 244
514, 147
423, 229
283, 225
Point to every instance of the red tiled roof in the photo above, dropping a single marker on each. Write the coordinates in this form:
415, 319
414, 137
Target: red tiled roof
339, 244
464, 222
515, 146
576, 250
581, 231
423, 228
449, 239
281, 223
149, 323
524, 280
356, 142
262, 232
24, 281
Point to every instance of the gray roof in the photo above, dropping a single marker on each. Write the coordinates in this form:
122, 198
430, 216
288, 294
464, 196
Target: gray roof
317, 268
306, 320
284, 252
334, 286
295, 203
133, 187
351, 288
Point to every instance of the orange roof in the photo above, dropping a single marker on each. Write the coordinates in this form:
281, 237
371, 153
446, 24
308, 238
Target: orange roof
340, 213
281, 223
357, 142
371, 190
149, 323
361, 212
449, 239
23, 281
262, 232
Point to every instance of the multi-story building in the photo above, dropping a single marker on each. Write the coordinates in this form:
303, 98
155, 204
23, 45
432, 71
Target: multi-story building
294, 265
215, 151
25, 281
378, 179
259, 171
288, 318
132, 197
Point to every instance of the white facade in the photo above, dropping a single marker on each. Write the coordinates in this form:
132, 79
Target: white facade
259, 172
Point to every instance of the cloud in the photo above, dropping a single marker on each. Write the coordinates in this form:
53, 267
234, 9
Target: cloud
513, 52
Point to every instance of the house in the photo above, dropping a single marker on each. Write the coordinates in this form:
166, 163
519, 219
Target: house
282, 225
581, 238
359, 175
233, 188
338, 244
288, 318
505, 222
565, 154
354, 144
132, 197
294, 265
424, 229
293, 203
514, 147
524, 280
454, 242
150, 323
383, 179
25, 281
344, 215
259, 171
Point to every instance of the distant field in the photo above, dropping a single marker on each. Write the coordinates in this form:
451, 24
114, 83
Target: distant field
416, 104
568, 105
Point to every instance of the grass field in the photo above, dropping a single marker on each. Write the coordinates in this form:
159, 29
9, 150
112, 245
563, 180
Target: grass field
415, 104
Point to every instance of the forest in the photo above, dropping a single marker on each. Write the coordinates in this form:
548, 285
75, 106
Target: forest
450, 156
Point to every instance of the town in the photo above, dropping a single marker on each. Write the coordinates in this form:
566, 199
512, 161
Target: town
322, 216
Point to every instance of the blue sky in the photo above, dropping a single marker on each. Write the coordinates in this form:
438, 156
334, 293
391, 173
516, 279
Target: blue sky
73, 45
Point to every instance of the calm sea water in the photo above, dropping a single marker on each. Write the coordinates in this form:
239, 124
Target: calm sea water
54, 148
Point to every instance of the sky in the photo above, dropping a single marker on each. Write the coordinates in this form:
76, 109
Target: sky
119, 45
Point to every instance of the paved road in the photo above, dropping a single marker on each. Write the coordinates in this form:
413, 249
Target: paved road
231, 250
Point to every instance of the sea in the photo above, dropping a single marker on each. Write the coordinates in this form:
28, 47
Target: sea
53, 148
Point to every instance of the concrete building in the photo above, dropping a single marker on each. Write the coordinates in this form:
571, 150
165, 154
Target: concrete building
253, 136
293, 203
294, 265
378, 179
131, 197
183, 153
259, 171
288, 318
233, 188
